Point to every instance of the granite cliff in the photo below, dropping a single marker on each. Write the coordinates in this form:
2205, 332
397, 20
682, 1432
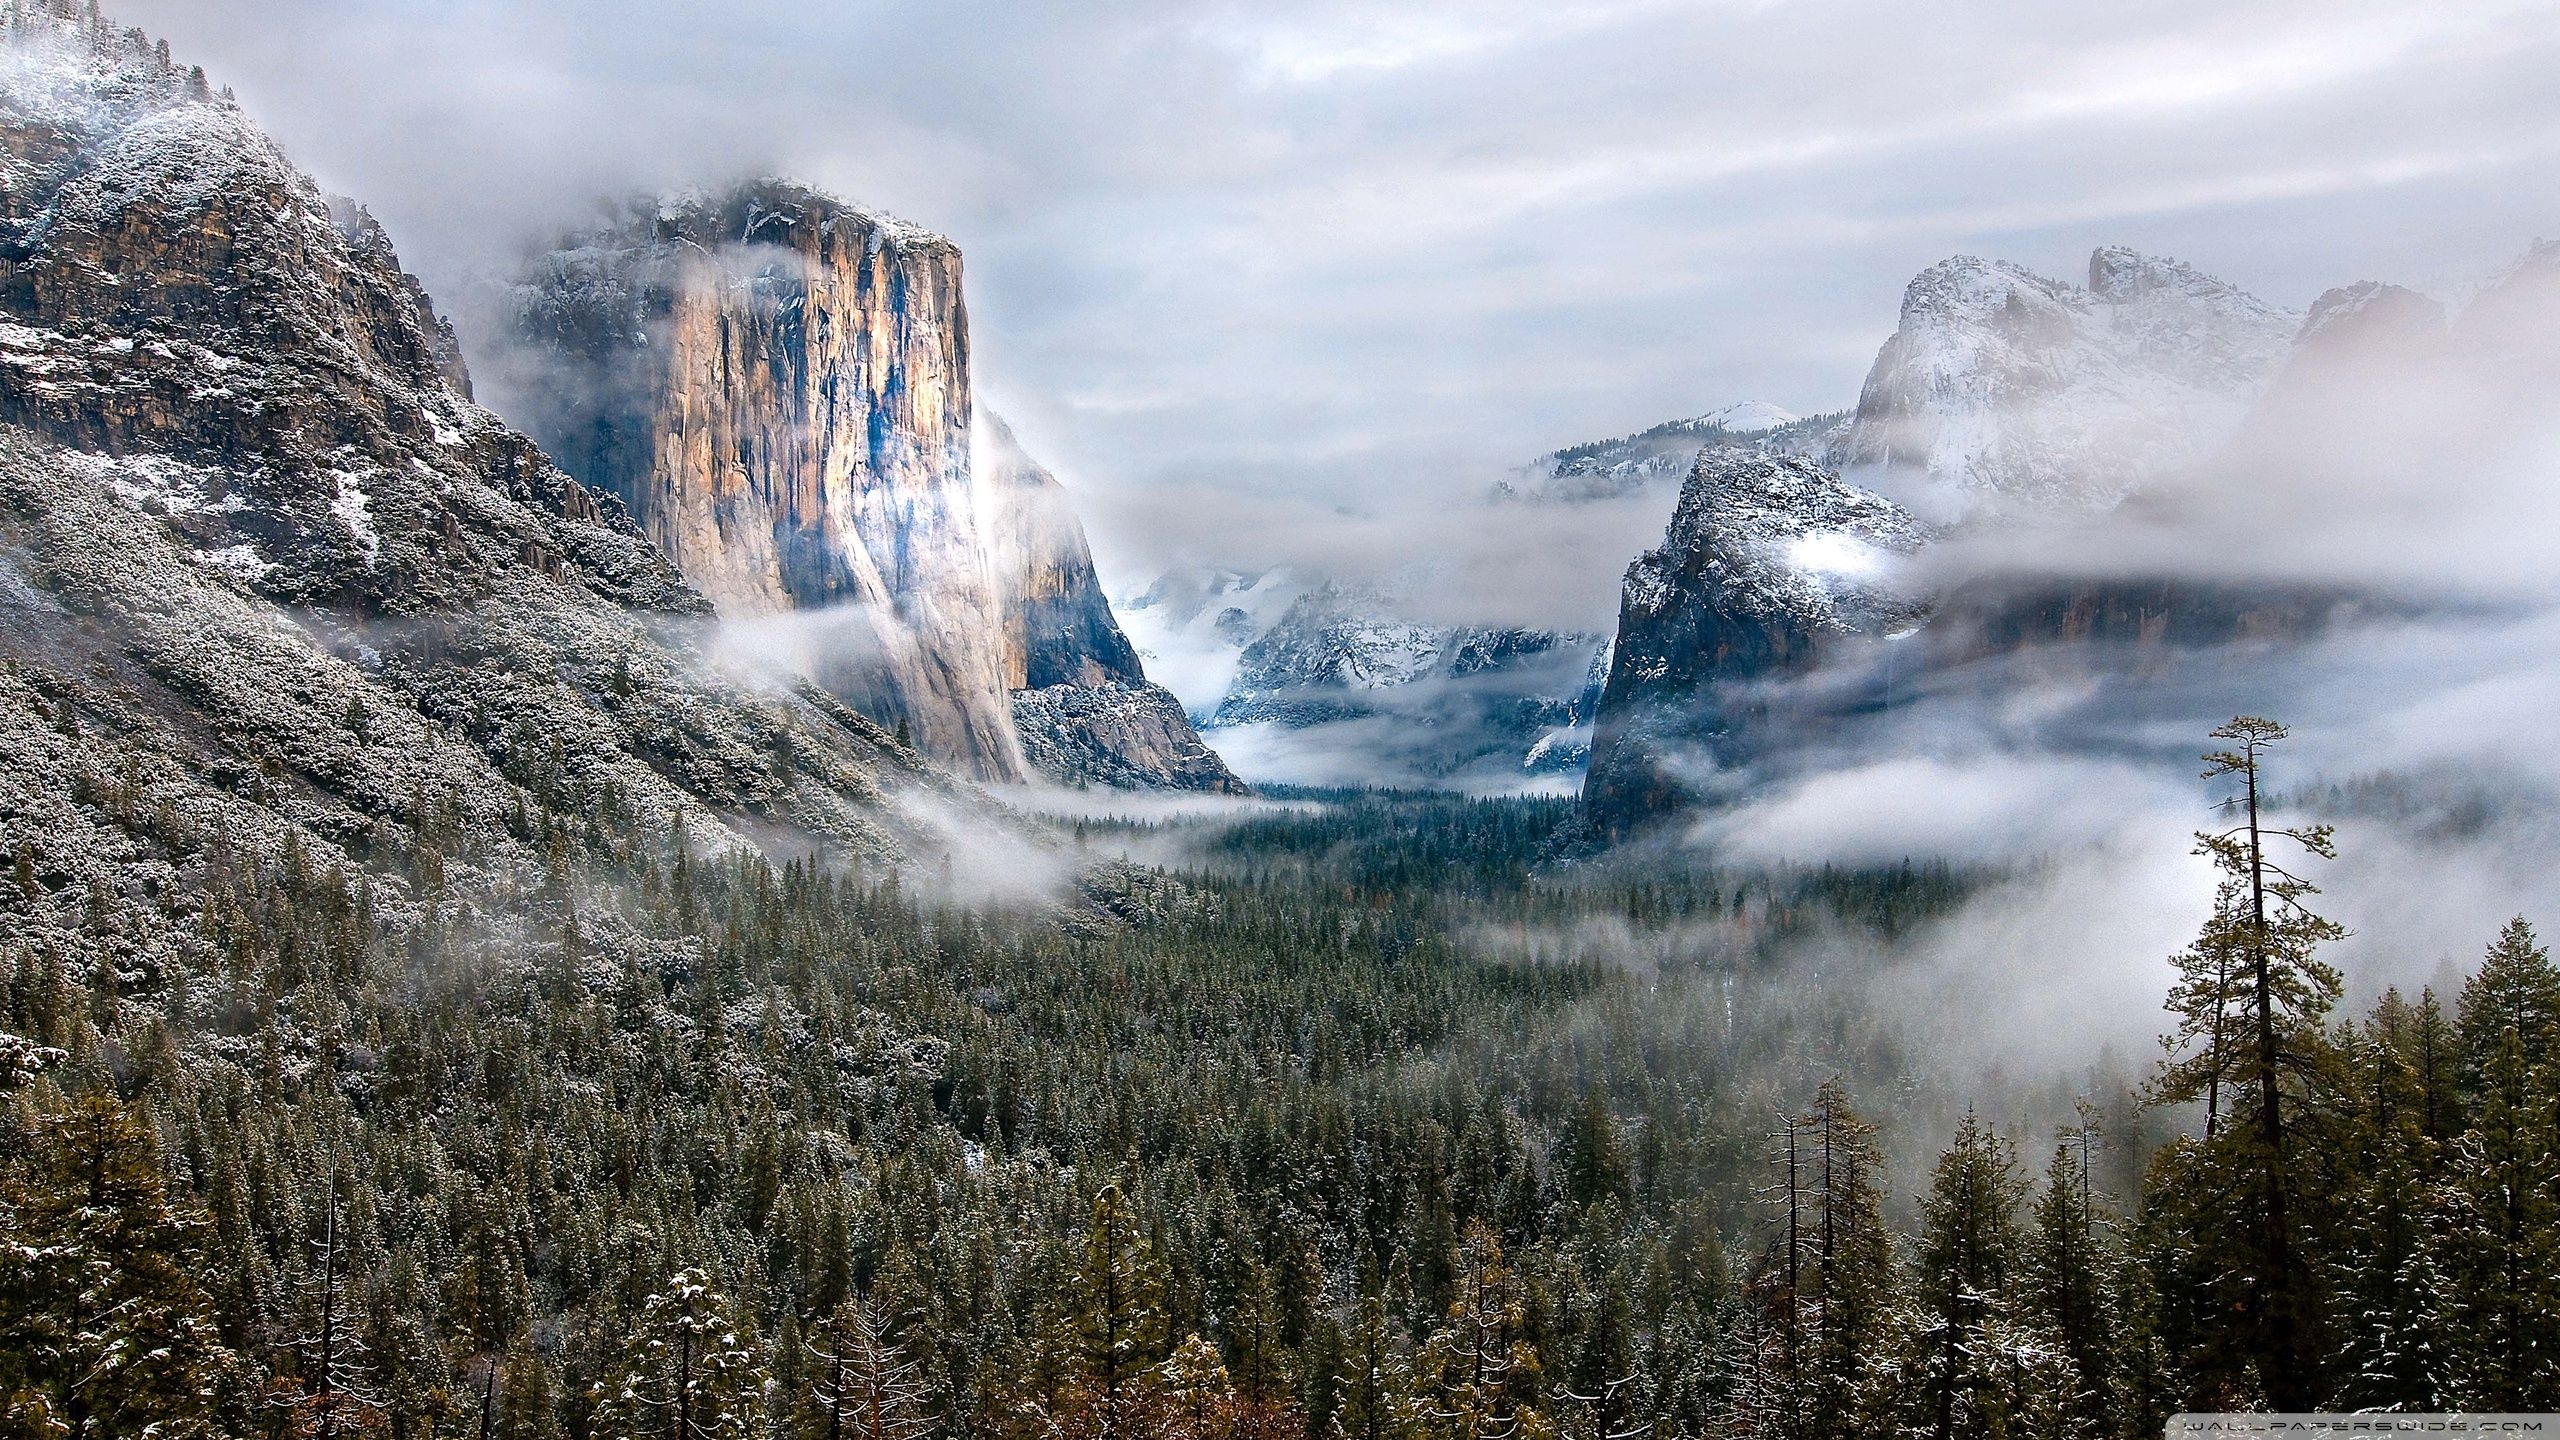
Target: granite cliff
275, 586
777, 384
1082, 703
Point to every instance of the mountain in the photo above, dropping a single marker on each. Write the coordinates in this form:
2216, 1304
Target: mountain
2004, 392
1769, 562
1082, 704
276, 586
1194, 624
1661, 456
2209, 552
777, 384
1426, 700
1485, 702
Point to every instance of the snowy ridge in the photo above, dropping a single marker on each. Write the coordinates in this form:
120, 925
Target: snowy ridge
1780, 538
1660, 456
2003, 391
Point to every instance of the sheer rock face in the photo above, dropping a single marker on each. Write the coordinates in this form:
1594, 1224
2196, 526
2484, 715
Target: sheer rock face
2004, 393
1081, 701
263, 557
777, 384
1058, 628
1769, 563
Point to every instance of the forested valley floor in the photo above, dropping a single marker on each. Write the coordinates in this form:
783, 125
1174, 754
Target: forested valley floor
1375, 1116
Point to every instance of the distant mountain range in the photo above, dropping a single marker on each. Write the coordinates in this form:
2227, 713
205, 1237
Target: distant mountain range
2008, 403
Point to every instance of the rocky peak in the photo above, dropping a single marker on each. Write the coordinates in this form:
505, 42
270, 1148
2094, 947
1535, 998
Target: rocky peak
1769, 561
777, 384
2003, 391
2369, 310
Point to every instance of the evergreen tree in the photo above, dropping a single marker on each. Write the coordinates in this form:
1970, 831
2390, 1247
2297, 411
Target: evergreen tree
1477, 1372
1852, 1265
1119, 1320
2252, 1000
1969, 1262
2501, 1226
2072, 1282
1377, 1377
104, 1329
2390, 1293
527, 1407
1199, 1400
686, 1372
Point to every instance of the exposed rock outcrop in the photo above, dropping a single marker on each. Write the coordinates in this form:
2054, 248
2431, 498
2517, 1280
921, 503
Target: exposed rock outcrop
2006, 393
1769, 563
272, 585
1082, 703
777, 384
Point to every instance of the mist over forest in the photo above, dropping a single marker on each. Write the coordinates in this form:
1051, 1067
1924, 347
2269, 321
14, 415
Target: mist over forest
1264, 722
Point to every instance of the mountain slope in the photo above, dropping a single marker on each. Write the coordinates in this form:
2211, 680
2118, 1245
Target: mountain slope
276, 585
1769, 562
2004, 392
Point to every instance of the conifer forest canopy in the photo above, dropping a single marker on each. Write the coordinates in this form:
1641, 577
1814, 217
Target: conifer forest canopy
593, 846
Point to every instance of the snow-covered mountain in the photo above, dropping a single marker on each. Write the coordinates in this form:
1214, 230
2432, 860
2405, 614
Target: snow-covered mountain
273, 585
2009, 398
777, 383
1660, 457
1287, 649
2003, 391
1768, 560
1193, 625
2002, 397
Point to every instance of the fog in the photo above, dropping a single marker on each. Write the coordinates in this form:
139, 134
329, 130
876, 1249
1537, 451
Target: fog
1320, 253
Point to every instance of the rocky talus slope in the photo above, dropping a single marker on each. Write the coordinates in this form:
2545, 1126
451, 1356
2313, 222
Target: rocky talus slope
274, 584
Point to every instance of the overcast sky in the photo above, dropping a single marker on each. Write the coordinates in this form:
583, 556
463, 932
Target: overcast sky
1315, 252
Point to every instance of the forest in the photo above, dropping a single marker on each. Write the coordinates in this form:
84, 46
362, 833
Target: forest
1272, 1139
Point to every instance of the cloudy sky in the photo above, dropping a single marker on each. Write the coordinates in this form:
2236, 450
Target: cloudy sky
1300, 253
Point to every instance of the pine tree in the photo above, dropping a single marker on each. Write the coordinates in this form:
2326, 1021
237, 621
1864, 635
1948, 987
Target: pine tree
527, 1408
1852, 1264
1970, 1249
862, 1384
104, 1328
1477, 1370
686, 1373
1377, 1379
1119, 1319
1199, 1400
2253, 999
2500, 1234
2392, 1339
2071, 1280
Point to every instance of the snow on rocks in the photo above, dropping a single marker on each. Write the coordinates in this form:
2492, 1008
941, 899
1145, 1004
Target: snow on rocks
2004, 391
